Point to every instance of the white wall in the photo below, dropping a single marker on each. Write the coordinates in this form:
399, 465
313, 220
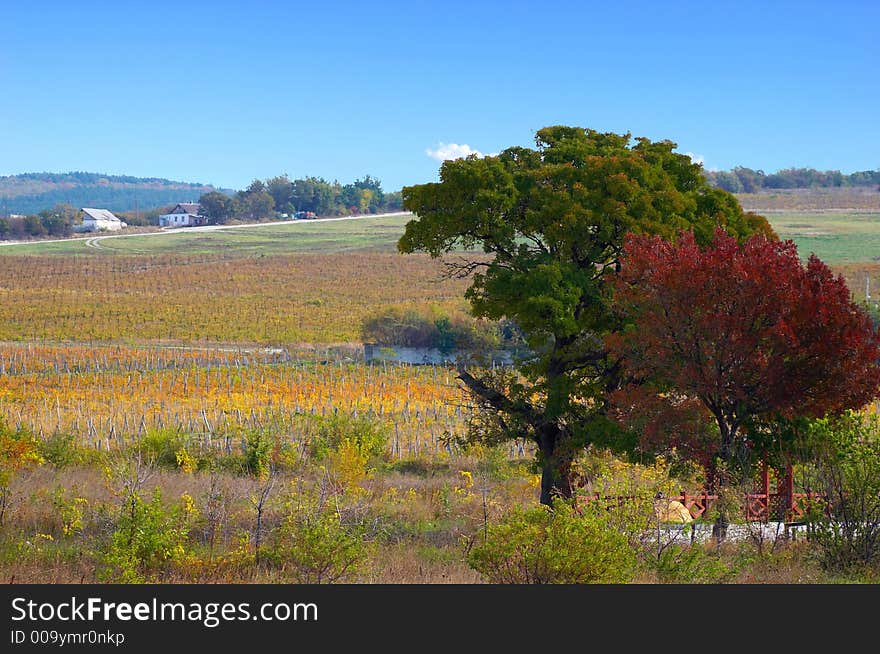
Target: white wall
174, 220
92, 225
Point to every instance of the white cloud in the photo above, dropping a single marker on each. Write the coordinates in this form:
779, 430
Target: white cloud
696, 158
445, 151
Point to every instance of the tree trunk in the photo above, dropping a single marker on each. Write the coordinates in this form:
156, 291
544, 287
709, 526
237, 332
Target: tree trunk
556, 477
719, 481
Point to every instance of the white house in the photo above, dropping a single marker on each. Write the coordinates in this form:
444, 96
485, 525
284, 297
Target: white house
99, 220
185, 214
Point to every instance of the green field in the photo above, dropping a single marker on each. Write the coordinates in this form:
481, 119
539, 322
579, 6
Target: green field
380, 232
835, 237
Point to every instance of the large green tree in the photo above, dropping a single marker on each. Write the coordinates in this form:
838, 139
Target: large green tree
540, 231
218, 207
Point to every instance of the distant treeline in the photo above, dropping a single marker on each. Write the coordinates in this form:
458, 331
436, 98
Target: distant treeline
113, 198
57, 221
31, 193
281, 195
80, 177
747, 180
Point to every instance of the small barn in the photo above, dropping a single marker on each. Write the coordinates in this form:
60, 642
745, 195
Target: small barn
99, 220
185, 214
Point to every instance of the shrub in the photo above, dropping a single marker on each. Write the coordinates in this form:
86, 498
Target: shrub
18, 449
146, 536
314, 545
70, 510
692, 564
161, 446
370, 438
429, 328
848, 469
257, 451
554, 546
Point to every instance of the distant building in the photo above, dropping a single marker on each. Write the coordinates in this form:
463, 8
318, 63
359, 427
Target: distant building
99, 220
431, 355
185, 214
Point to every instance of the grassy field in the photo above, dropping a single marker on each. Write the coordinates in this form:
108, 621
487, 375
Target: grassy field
294, 237
843, 199
836, 238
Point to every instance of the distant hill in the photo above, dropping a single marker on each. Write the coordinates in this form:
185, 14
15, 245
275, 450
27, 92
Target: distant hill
32, 192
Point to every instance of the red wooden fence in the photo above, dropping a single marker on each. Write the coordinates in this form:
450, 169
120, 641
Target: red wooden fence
758, 507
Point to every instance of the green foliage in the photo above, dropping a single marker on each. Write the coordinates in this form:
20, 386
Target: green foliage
554, 546
429, 327
258, 448
742, 179
280, 194
61, 450
369, 437
160, 446
71, 510
847, 468
693, 564
314, 545
147, 536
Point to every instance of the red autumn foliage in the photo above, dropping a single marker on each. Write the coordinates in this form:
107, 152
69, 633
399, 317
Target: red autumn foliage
746, 328
664, 423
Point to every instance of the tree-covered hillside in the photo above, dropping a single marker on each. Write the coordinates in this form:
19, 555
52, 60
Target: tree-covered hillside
30, 193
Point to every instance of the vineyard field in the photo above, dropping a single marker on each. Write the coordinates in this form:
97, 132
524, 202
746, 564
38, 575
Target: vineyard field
272, 300
110, 396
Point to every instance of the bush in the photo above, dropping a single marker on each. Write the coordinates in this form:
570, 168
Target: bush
62, 450
146, 537
160, 446
692, 564
18, 449
848, 469
429, 328
257, 451
554, 546
314, 545
368, 437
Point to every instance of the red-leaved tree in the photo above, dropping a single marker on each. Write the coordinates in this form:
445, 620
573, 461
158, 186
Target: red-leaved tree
746, 329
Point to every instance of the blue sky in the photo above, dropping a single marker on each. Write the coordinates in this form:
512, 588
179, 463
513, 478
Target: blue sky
225, 92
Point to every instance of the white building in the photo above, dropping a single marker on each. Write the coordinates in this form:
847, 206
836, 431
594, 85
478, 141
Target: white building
99, 220
185, 214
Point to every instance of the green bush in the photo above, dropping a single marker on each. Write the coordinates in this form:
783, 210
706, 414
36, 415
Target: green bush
160, 446
146, 537
314, 545
367, 436
257, 453
847, 529
62, 450
692, 564
429, 327
554, 546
